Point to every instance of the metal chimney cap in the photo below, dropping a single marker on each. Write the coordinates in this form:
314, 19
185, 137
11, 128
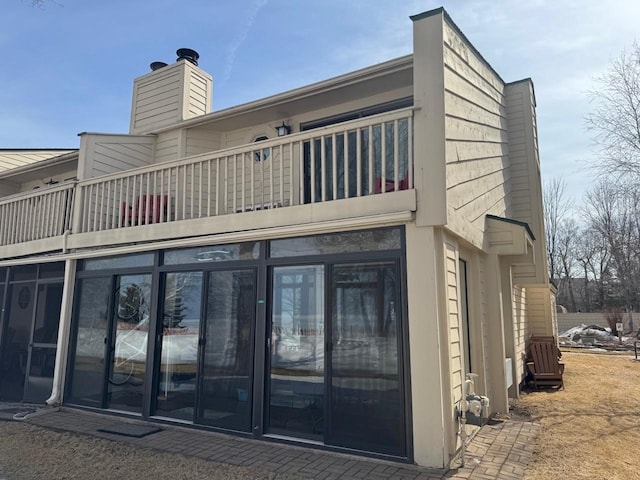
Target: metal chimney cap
188, 54
157, 66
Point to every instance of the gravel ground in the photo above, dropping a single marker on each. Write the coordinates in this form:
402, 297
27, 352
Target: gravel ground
28, 452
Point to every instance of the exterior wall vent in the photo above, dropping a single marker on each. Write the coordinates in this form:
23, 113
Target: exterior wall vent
188, 54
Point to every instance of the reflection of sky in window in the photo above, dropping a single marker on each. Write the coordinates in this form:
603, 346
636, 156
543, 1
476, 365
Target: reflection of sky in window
142, 260
215, 253
362, 241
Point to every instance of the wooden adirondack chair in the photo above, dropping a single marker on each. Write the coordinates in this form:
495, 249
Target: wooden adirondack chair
544, 364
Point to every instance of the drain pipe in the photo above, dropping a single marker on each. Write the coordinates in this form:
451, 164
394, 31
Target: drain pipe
63, 333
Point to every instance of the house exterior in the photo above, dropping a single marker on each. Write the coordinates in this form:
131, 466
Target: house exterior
329, 284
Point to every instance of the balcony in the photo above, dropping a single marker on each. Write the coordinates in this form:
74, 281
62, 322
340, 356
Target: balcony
36, 216
344, 162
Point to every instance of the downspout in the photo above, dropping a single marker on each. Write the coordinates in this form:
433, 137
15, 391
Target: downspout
63, 333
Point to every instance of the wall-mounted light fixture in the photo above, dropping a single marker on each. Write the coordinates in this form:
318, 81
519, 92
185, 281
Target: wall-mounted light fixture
283, 129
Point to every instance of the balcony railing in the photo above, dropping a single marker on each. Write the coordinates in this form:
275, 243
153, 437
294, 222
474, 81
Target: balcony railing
362, 157
36, 215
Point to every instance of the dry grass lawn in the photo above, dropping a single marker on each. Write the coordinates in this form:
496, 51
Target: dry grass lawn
591, 429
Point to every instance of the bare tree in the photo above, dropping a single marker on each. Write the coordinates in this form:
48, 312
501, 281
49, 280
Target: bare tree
592, 252
566, 256
615, 119
614, 212
556, 211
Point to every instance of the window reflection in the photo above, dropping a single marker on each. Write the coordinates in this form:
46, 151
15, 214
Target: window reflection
227, 365
359, 241
179, 345
297, 351
365, 389
213, 253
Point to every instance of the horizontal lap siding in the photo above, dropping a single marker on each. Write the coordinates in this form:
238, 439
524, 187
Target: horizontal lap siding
167, 147
198, 96
453, 315
202, 141
526, 202
12, 160
520, 330
476, 134
538, 306
157, 102
486, 340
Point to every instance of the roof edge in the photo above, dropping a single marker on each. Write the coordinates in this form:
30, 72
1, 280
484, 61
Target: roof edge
524, 225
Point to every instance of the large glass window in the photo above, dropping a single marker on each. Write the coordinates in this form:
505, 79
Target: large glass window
215, 253
92, 319
130, 333
296, 393
226, 393
179, 345
127, 261
360, 241
14, 354
366, 387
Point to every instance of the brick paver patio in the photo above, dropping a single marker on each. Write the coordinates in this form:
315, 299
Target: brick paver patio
500, 450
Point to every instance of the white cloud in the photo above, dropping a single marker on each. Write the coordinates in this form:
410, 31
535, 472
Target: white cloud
241, 36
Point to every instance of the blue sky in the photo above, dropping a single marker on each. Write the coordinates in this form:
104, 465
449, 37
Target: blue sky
68, 67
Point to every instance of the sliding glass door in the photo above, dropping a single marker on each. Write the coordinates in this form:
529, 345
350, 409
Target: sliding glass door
128, 342
178, 347
336, 376
365, 387
227, 355
296, 381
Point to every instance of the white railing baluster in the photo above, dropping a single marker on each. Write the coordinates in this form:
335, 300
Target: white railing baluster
370, 158
410, 161
346, 164
383, 158
242, 165
312, 155
150, 194
358, 163
323, 170
184, 192
396, 155
334, 165
299, 192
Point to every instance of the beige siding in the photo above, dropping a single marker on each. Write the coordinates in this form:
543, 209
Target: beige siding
198, 94
476, 138
454, 320
520, 331
167, 147
483, 294
106, 154
202, 141
169, 95
537, 310
10, 159
525, 186
157, 101
119, 156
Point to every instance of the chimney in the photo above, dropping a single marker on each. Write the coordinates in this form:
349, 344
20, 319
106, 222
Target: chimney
170, 94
